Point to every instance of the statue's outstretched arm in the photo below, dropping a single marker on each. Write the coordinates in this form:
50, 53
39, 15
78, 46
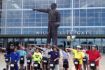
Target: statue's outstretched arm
42, 10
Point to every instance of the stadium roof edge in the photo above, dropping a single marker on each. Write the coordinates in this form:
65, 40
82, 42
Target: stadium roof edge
44, 36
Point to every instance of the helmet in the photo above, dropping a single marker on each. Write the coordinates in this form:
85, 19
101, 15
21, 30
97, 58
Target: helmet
78, 46
94, 46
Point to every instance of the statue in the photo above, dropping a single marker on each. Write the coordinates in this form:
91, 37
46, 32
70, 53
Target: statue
53, 22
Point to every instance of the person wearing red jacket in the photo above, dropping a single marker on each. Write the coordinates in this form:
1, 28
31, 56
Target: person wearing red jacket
94, 55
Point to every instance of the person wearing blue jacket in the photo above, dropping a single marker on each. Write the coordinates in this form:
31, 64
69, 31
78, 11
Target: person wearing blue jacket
14, 58
9, 49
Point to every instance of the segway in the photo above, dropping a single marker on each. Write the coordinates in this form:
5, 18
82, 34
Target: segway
22, 60
85, 63
45, 63
76, 63
65, 64
36, 66
13, 65
93, 65
52, 65
29, 61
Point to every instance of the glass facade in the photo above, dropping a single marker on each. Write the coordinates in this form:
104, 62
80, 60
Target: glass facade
84, 16
77, 16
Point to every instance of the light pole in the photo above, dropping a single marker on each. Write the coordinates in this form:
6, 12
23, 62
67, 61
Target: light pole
70, 38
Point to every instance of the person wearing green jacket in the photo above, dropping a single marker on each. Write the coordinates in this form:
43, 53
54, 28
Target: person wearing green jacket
37, 57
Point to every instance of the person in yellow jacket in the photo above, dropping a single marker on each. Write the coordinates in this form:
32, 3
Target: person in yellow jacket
37, 56
78, 55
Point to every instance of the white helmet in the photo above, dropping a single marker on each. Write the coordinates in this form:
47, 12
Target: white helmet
78, 46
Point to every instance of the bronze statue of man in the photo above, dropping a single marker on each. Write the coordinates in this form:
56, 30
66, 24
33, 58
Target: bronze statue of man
53, 22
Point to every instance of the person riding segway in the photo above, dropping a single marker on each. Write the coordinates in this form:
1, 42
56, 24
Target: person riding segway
85, 58
29, 61
85, 63
37, 58
78, 57
13, 65
94, 57
9, 50
22, 55
93, 65
46, 49
54, 58
14, 58
66, 57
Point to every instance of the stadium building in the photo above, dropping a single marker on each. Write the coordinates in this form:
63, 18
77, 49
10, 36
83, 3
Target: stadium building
83, 18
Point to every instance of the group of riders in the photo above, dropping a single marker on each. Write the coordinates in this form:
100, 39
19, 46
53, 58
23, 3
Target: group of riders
49, 57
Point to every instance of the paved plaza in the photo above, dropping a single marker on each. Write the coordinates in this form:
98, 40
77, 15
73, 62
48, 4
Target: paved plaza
102, 63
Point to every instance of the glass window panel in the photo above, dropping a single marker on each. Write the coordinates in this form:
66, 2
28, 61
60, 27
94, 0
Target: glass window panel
65, 18
13, 18
61, 41
64, 3
60, 31
67, 30
103, 21
37, 3
13, 31
103, 42
35, 31
14, 4
98, 42
46, 3
2, 30
90, 41
102, 31
77, 29
83, 30
10, 39
93, 30
88, 3
2, 22
44, 40
76, 3
32, 41
82, 41
38, 40
76, 42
